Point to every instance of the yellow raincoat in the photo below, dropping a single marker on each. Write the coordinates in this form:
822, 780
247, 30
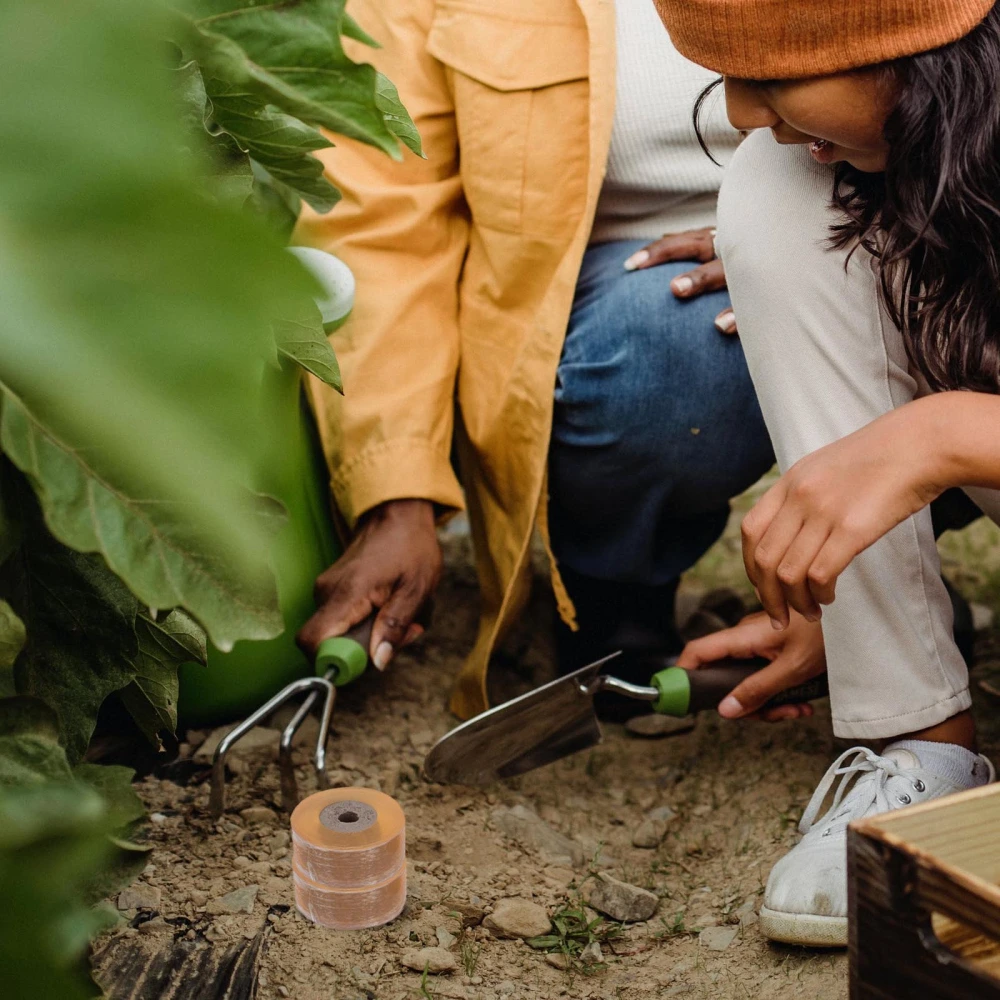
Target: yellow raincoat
466, 264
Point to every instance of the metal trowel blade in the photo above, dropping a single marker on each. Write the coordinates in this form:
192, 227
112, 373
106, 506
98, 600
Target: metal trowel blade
542, 726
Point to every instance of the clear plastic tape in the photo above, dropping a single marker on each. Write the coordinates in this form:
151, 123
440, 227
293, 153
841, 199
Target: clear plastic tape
351, 909
348, 838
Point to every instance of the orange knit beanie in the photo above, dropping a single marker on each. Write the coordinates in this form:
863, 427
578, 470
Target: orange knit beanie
786, 39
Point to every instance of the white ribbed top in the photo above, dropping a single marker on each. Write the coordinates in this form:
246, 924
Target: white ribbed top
658, 180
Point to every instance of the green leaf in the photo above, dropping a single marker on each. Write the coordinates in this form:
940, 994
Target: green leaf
53, 843
12, 638
352, 29
280, 143
113, 783
292, 56
276, 203
164, 644
30, 752
305, 343
397, 118
164, 554
79, 617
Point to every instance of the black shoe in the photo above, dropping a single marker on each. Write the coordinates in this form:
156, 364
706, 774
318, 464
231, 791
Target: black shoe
635, 619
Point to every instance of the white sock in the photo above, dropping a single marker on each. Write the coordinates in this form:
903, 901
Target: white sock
949, 760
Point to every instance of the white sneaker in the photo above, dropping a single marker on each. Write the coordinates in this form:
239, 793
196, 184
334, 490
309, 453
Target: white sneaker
805, 901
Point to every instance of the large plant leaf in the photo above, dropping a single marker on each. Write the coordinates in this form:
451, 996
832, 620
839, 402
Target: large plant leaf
167, 557
53, 844
292, 56
30, 752
164, 644
397, 118
79, 618
136, 318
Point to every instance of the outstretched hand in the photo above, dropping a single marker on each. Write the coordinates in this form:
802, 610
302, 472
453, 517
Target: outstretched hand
796, 654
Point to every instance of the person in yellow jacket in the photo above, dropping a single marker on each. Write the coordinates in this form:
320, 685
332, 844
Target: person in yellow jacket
520, 315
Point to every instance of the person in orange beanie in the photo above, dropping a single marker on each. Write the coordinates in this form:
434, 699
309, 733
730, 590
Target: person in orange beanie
869, 186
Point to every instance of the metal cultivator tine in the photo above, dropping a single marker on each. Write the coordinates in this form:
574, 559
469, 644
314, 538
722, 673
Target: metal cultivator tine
315, 686
289, 786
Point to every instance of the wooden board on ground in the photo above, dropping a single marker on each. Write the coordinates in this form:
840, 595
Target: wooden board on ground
924, 900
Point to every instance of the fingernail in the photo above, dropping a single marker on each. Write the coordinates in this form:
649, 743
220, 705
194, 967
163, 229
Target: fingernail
726, 322
639, 257
777, 626
814, 617
730, 708
382, 655
682, 285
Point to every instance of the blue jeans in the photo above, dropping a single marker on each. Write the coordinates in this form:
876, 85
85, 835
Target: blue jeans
656, 424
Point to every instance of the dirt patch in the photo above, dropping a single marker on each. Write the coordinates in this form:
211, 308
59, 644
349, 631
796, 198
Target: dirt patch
724, 796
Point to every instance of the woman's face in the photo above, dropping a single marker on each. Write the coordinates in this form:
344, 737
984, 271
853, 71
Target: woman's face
840, 117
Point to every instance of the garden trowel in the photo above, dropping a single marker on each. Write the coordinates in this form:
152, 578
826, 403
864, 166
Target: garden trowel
558, 719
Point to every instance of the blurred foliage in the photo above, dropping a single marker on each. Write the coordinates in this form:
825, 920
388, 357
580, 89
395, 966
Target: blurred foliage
151, 169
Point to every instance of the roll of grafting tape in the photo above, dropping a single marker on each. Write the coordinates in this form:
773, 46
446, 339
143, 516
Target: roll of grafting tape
349, 858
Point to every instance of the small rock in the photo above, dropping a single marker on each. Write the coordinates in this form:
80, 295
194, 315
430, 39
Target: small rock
662, 813
471, 914
592, 954
258, 814
518, 918
506, 988
654, 727
718, 938
157, 818
649, 833
242, 862
434, 960
621, 900
139, 897
154, 925
530, 830
256, 739
982, 616
445, 938
198, 897
747, 914
238, 901
558, 961
279, 840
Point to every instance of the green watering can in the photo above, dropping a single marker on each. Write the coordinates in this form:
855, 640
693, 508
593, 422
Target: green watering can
291, 468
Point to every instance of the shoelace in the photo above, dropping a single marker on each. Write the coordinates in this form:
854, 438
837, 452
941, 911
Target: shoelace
857, 761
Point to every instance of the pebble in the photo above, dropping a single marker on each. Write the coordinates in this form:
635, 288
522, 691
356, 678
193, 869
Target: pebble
390, 777
139, 897
649, 834
747, 914
558, 961
663, 814
518, 918
157, 818
279, 840
434, 960
621, 900
445, 938
242, 862
238, 901
718, 938
592, 954
154, 925
506, 988
258, 814
198, 897
471, 913
528, 829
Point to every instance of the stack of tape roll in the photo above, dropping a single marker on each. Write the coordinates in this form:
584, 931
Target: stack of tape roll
349, 858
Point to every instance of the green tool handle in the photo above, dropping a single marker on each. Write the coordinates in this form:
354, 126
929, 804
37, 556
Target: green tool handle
346, 654
686, 692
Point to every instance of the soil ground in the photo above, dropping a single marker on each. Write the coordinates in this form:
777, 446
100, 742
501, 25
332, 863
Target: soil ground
737, 789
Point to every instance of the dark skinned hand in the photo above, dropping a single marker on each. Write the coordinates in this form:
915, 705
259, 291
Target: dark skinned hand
695, 244
392, 565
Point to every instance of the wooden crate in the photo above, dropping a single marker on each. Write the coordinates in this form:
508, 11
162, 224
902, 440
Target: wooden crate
924, 901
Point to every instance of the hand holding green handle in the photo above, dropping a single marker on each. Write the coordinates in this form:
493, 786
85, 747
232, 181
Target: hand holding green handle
346, 654
686, 692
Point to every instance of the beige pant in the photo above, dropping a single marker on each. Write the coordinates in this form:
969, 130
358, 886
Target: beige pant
826, 360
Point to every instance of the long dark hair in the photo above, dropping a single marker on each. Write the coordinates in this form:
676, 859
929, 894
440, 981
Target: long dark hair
932, 219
